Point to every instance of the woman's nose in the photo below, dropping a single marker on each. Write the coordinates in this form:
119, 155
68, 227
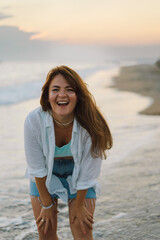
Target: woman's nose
62, 92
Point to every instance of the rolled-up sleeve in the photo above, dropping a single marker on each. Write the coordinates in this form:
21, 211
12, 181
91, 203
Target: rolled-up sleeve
89, 168
34, 153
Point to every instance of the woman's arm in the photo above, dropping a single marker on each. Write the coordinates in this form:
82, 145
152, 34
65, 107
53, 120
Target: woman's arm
80, 197
37, 169
88, 174
43, 192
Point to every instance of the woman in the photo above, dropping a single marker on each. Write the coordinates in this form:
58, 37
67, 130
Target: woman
65, 142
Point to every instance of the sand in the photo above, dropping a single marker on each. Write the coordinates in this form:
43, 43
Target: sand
143, 79
132, 203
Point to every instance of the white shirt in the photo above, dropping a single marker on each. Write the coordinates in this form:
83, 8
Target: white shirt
39, 141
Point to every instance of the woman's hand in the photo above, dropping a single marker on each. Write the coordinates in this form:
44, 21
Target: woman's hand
46, 218
83, 216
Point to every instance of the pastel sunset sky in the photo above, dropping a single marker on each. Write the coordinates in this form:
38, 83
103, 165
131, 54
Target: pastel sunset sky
91, 22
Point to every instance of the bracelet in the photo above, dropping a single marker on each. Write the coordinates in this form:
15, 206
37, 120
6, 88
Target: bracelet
48, 206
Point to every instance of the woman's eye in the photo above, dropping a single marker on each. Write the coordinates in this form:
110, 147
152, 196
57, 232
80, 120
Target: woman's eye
55, 90
70, 90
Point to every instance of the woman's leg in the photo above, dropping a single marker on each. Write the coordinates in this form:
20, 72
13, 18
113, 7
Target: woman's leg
36, 206
75, 227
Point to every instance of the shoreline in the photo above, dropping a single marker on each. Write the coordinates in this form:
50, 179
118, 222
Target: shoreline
143, 79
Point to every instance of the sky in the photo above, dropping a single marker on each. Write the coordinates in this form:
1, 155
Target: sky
61, 23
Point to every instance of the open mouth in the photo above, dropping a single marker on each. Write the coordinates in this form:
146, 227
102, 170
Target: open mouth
64, 103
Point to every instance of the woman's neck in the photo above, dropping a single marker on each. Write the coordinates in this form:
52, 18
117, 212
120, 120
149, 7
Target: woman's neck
63, 120
62, 124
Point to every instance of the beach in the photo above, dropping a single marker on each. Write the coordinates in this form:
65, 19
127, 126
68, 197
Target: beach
128, 207
143, 79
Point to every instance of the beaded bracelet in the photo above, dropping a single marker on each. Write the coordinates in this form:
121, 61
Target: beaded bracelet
48, 206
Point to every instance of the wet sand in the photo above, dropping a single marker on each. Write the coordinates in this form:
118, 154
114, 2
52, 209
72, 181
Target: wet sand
143, 79
132, 203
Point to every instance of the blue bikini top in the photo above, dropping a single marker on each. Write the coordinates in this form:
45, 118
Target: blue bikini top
64, 151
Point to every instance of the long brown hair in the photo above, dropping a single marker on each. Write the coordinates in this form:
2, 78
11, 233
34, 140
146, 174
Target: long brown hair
86, 111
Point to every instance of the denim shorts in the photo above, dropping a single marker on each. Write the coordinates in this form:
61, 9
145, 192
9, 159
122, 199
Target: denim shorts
62, 169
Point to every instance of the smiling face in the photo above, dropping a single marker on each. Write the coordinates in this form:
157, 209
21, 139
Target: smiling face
62, 98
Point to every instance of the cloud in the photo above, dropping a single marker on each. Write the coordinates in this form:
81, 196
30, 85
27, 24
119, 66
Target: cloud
3, 16
16, 44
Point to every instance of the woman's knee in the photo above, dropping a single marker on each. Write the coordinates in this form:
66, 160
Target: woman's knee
50, 235
77, 231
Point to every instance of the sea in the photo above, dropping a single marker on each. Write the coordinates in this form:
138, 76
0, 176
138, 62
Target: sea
20, 90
